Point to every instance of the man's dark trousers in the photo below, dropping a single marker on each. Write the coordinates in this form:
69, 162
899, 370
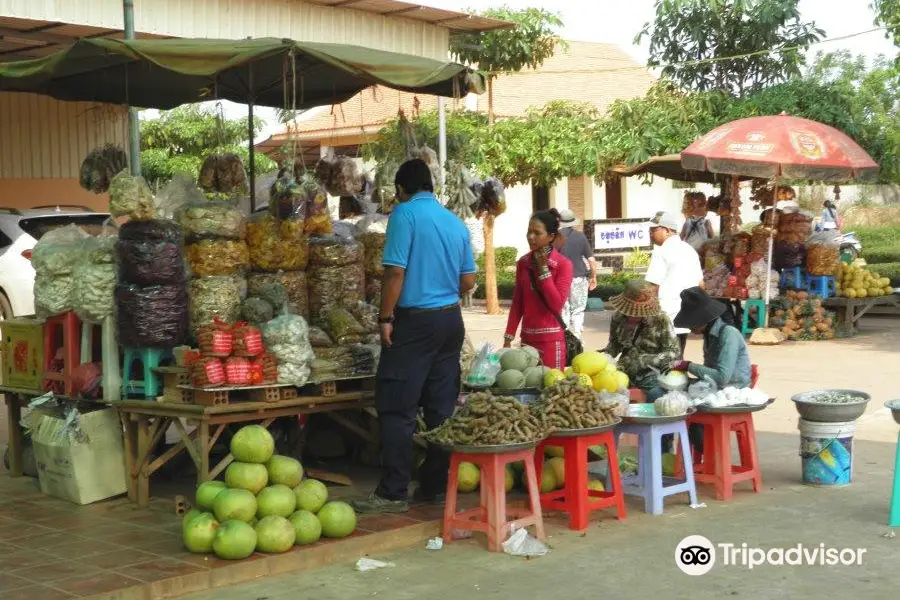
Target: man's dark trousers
421, 368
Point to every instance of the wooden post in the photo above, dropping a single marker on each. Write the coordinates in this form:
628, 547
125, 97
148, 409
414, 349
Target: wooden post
13, 416
203, 448
143, 477
131, 450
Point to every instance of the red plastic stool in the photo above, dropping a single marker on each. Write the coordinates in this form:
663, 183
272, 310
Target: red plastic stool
713, 464
490, 517
68, 326
575, 498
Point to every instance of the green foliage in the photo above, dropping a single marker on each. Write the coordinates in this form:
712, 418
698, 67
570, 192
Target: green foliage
179, 139
533, 41
887, 13
880, 244
547, 144
692, 37
612, 284
463, 130
637, 258
890, 270
505, 259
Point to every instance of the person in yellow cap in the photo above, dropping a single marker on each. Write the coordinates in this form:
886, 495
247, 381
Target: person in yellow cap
641, 333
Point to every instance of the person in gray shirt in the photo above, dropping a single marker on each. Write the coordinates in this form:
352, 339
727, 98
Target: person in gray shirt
578, 250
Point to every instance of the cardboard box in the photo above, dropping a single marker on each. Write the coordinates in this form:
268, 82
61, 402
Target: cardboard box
81, 466
23, 353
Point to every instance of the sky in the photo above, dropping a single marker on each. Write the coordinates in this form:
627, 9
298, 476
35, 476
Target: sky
618, 21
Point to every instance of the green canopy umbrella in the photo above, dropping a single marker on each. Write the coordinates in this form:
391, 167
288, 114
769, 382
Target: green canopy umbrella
165, 73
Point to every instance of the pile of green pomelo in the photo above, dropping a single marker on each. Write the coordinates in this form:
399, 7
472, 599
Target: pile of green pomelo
264, 504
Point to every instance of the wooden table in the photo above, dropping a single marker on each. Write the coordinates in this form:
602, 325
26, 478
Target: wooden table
16, 399
850, 310
145, 423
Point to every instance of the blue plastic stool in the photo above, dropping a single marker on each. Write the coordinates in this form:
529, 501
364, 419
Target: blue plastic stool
760, 315
894, 519
822, 286
150, 359
794, 277
649, 483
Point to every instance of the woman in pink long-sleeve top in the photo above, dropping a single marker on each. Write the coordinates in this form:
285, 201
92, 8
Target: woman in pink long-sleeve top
543, 278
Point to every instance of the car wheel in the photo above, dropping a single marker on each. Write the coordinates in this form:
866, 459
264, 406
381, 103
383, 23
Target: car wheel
6, 311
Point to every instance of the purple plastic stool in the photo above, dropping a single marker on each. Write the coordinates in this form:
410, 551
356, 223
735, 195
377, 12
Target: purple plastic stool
649, 482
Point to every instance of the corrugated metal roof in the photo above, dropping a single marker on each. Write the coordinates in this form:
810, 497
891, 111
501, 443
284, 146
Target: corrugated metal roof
417, 12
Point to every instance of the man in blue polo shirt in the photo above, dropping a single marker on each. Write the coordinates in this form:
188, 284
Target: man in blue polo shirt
428, 265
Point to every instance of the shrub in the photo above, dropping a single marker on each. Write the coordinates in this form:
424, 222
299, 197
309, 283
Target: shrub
505, 259
880, 244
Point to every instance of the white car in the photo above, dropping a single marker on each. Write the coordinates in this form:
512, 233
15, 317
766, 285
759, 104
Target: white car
20, 230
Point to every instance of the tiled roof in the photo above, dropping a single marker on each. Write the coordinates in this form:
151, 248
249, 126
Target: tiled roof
584, 72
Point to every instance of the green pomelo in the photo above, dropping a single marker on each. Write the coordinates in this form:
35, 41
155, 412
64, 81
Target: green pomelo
276, 500
274, 535
338, 519
234, 540
307, 527
199, 533
469, 477
247, 476
207, 492
235, 505
253, 444
511, 380
191, 514
284, 470
534, 357
311, 495
534, 377
515, 359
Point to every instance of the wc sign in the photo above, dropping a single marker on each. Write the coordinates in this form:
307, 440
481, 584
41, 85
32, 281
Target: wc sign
618, 235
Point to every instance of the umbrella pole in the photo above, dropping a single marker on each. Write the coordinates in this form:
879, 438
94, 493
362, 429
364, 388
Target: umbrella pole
251, 151
765, 317
134, 131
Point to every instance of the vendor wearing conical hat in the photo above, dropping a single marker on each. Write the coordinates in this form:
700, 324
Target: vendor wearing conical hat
642, 333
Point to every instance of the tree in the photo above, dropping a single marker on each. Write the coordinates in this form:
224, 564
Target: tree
179, 139
542, 147
692, 38
529, 44
887, 14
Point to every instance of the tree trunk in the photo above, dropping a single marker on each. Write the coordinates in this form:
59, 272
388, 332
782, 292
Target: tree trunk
490, 91
492, 299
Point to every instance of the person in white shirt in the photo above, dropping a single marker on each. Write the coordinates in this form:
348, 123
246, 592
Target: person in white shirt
674, 267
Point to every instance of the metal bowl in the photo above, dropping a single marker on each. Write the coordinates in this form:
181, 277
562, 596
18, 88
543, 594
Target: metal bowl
894, 406
826, 412
523, 396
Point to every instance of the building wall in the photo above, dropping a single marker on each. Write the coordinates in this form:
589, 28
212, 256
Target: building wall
236, 19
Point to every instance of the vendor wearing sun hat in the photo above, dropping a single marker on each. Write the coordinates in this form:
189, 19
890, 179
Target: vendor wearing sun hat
642, 333
726, 359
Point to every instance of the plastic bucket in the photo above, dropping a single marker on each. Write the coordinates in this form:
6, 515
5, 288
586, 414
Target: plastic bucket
826, 451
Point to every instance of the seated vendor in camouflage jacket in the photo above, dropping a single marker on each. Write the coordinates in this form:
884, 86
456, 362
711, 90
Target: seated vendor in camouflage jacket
643, 334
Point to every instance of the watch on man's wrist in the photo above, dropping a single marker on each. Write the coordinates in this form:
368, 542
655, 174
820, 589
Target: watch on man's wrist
388, 320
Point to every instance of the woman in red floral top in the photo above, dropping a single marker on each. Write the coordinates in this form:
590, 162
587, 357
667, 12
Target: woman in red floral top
543, 278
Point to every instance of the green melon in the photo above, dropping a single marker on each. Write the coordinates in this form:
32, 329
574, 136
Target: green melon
534, 357
534, 377
515, 360
511, 380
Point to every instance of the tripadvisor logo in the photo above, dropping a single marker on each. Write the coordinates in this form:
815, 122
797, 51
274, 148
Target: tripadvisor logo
696, 555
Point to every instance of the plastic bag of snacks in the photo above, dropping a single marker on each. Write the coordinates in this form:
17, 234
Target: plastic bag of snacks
277, 245
257, 311
794, 227
294, 284
237, 371
332, 251
267, 366
248, 340
373, 244
716, 280
292, 374
340, 176
787, 255
53, 295
493, 199
153, 316
180, 192
202, 220
334, 286
373, 291
366, 314
285, 329
712, 254
342, 325
223, 173
693, 204
130, 196
94, 289
208, 372
59, 250
213, 297
759, 240
385, 192
215, 339
150, 253
318, 217
100, 166
741, 244
318, 338
823, 253
217, 257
